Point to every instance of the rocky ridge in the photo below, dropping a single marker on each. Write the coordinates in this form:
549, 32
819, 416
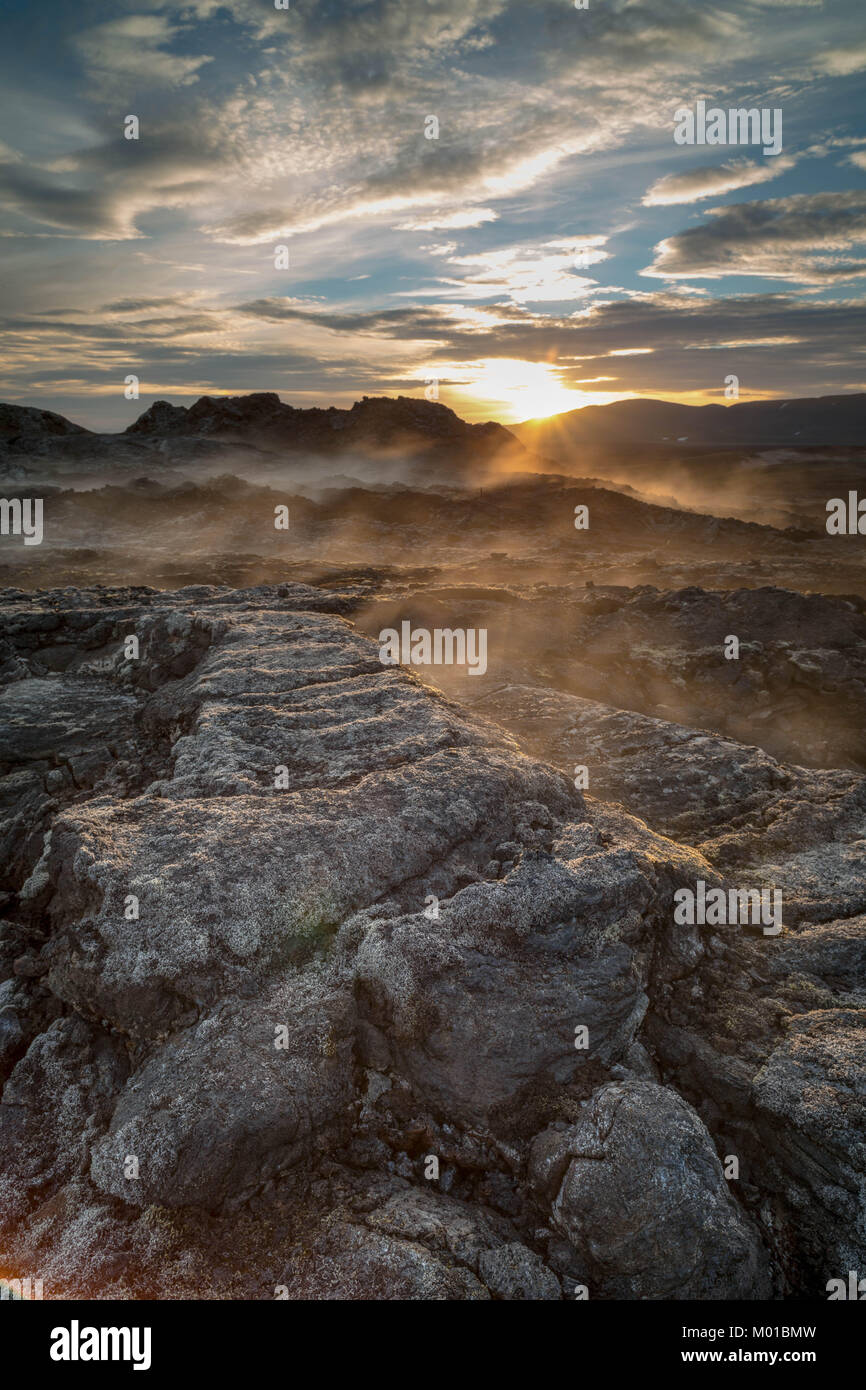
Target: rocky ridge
257, 431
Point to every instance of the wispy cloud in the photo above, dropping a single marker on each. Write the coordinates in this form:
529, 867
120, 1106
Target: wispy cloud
522, 233
694, 184
132, 52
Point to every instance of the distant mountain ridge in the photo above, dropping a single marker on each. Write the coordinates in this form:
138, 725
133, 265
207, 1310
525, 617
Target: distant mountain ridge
258, 429
812, 421
264, 419
419, 439
23, 422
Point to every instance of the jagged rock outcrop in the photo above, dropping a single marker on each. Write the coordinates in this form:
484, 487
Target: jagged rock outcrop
309, 974
262, 419
256, 430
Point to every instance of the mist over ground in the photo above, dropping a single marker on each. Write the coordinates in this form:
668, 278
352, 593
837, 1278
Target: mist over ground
626, 678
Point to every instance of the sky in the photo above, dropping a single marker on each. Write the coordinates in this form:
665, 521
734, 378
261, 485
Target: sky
482, 201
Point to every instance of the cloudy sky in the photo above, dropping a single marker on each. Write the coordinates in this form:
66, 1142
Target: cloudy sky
553, 247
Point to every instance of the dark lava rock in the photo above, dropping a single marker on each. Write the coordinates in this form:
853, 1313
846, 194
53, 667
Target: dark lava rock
315, 986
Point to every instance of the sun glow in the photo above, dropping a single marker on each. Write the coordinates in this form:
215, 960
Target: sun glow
512, 390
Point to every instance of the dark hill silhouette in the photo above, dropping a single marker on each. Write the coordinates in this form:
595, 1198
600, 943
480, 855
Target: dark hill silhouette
821, 420
263, 431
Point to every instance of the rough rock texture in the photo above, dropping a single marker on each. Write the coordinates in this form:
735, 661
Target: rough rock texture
797, 686
638, 1190
312, 985
757, 820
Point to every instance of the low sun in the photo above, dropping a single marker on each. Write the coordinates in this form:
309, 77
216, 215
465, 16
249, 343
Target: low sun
517, 390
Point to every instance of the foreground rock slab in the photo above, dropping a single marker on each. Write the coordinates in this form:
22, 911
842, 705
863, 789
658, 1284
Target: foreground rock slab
314, 985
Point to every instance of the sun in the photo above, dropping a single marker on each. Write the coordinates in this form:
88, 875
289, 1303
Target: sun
526, 390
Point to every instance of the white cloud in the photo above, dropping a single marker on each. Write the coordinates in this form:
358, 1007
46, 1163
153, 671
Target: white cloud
694, 184
842, 62
131, 51
543, 272
450, 221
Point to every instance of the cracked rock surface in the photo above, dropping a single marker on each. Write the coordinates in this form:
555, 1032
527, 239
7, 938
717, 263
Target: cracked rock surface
315, 984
